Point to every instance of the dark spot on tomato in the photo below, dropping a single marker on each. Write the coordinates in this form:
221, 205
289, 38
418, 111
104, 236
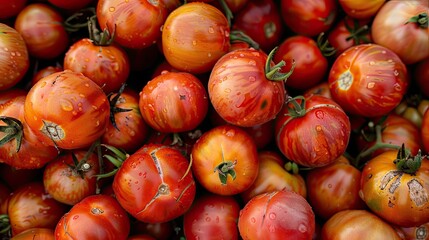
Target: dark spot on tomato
264, 104
182, 97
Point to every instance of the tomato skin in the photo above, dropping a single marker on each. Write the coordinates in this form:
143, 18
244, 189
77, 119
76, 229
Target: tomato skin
240, 92
391, 30
368, 80
96, 212
398, 197
108, 66
309, 18
41, 27
71, 106
310, 64
334, 188
317, 138
357, 224
153, 184
41, 73
220, 145
174, 102
212, 215
361, 9
9, 9
416, 232
137, 23
14, 59
277, 214
195, 35
425, 131
35, 234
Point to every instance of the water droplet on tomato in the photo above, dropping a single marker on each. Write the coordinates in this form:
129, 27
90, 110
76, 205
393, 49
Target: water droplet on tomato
209, 54
194, 42
370, 85
75, 217
271, 228
272, 216
66, 105
112, 9
302, 228
320, 114
252, 79
253, 220
397, 87
318, 128
211, 30
227, 90
6, 49
208, 219
252, 63
371, 63
395, 72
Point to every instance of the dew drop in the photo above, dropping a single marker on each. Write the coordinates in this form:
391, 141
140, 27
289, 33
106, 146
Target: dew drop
302, 228
209, 54
211, 30
320, 114
252, 79
318, 128
395, 72
272, 216
112, 9
66, 105
397, 87
371, 63
75, 217
253, 220
194, 42
208, 219
370, 85
227, 90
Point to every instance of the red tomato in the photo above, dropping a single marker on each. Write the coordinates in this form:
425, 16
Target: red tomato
368, 80
309, 17
41, 27
424, 131
212, 215
356, 225
15, 178
174, 102
70, 5
14, 59
334, 188
137, 23
321, 88
41, 73
160, 231
277, 214
402, 26
395, 186
234, 5
241, 91
31, 206
311, 65
37, 233
5, 191
67, 110
414, 233
95, 217
312, 131
361, 9
195, 35
11, 8
155, 184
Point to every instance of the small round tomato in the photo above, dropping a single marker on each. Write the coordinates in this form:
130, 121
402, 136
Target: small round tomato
368, 80
11, 8
225, 160
361, 9
321, 88
41, 73
395, 186
95, 217
37, 233
312, 130
67, 110
277, 214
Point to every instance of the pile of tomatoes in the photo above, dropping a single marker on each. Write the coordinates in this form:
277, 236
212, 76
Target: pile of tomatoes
216, 119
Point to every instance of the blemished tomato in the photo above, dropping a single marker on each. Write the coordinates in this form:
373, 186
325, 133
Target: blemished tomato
334, 188
212, 215
395, 186
174, 102
272, 176
11, 8
277, 214
137, 23
194, 36
155, 184
31, 206
225, 160
361, 9
312, 130
368, 80
425, 131
402, 26
14, 59
37, 233
356, 225
95, 217
41, 27
309, 17
67, 110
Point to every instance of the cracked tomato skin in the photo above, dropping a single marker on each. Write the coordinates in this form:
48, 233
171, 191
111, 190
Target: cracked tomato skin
399, 198
368, 80
67, 110
155, 184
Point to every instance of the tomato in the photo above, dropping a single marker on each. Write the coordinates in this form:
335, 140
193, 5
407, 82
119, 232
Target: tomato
130, 129
262, 134
9, 9
234, 5
424, 131
311, 65
67, 110
334, 188
261, 21
160, 231
321, 88
31, 206
37, 233
137, 23
5, 191
368, 80
402, 26
361, 9
395, 186
272, 176
421, 74
417, 232
70, 5
15, 178
312, 130
14, 59
95, 217
68, 181
310, 17
174, 102
357, 224
194, 36
41, 73
155, 184
242, 89
42, 28
212, 215
225, 160
277, 214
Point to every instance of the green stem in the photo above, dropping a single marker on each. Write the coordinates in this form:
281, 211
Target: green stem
273, 73
227, 10
420, 19
4, 224
12, 130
